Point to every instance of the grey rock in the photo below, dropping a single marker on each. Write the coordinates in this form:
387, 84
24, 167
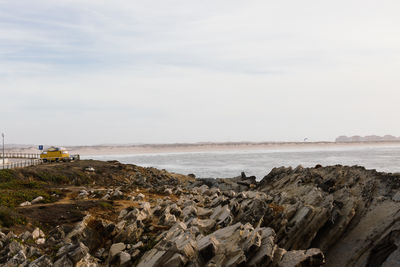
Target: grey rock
311, 257
14, 247
26, 236
43, 261
64, 261
115, 249
222, 215
17, 259
137, 245
124, 259
208, 247
177, 260
168, 191
396, 197
40, 241
78, 252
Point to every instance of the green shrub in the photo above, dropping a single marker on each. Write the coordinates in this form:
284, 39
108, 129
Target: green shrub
7, 175
9, 218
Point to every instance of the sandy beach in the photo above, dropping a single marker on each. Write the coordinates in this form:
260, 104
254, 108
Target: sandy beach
201, 147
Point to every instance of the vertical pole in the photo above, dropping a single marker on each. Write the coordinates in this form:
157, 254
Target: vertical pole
2, 135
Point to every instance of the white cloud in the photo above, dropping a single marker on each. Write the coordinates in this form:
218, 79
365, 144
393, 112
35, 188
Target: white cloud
167, 71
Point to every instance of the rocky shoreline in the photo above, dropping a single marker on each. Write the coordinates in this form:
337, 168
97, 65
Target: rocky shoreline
133, 216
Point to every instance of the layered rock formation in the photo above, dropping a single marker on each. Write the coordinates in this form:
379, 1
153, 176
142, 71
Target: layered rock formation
338, 216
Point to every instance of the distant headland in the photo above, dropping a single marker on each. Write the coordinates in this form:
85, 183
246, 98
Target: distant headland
368, 138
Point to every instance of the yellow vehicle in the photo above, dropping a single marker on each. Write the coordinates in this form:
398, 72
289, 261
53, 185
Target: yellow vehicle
55, 154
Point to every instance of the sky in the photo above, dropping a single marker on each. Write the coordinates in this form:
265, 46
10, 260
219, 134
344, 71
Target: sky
99, 72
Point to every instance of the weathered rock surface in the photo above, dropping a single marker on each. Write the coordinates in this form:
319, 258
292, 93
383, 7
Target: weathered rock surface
338, 216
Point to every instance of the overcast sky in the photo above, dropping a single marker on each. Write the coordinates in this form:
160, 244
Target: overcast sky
100, 71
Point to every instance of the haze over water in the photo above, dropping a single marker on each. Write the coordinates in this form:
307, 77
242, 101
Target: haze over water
260, 162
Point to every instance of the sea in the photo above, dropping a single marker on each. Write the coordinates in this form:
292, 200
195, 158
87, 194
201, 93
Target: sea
225, 164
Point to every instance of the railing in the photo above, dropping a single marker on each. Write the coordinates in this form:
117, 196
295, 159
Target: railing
31, 160
20, 156
20, 164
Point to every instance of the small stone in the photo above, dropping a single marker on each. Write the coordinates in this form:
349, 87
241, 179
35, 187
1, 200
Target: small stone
37, 200
89, 169
138, 245
168, 191
40, 241
115, 249
26, 203
37, 233
124, 259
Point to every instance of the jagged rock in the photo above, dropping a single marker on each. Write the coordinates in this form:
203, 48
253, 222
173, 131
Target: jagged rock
83, 194
203, 212
43, 261
40, 241
37, 233
265, 253
26, 236
168, 219
78, 252
64, 261
117, 195
137, 245
106, 197
189, 211
205, 225
122, 213
208, 246
17, 259
14, 247
87, 261
348, 212
124, 259
311, 257
33, 252
222, 215
10, 236
115, 249
177, 260
168, 191
146, 207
